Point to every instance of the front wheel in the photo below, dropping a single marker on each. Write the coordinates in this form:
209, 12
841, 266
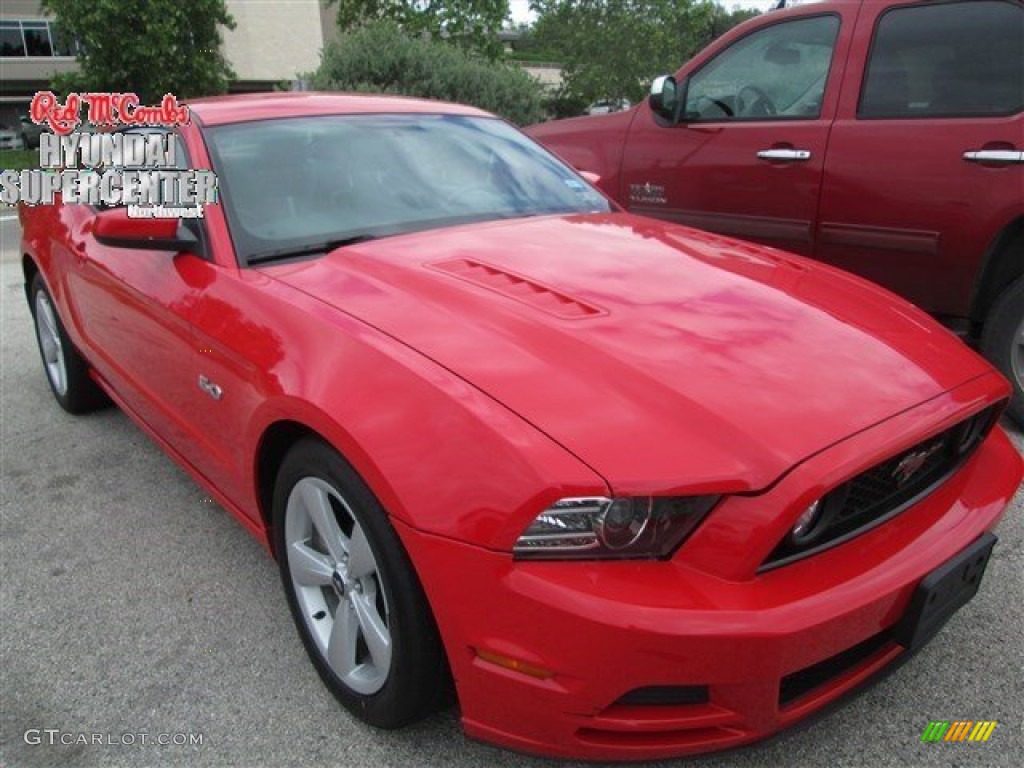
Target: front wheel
66, 370
355, 598
1003, 342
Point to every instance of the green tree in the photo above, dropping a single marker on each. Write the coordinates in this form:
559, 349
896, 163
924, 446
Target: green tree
378, 57
721, 21
611, 49
471, 24
148, 47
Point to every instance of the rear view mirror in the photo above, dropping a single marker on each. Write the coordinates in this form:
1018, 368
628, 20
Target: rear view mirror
783, 55
664, 97
115, 228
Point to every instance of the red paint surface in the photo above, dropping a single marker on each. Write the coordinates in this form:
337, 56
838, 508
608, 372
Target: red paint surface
474, 375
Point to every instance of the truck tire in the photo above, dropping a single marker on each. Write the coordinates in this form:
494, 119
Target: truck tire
1003, 342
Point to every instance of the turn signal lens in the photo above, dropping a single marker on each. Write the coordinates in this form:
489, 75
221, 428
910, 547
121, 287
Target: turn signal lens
516, 665
598, 527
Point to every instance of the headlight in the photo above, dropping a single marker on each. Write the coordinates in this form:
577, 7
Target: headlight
601, 528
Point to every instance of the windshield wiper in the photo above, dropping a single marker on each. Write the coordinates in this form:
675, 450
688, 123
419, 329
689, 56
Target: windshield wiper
308, 250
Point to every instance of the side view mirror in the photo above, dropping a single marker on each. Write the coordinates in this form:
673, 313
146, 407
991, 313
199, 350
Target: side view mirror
664, 97
590, 176
114, 228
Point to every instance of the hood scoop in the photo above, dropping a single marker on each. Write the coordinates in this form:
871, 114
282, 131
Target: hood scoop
521, 289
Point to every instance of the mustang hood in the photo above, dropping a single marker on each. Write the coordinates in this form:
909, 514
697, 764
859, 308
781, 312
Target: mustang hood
667, 359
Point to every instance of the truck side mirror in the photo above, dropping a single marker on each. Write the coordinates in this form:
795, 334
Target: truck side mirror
664, 97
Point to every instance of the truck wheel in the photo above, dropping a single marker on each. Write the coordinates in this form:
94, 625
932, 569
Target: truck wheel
1003, 342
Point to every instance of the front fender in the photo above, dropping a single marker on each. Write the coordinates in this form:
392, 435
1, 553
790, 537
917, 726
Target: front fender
439, 454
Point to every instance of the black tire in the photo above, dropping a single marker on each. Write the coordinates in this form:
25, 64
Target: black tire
75, 391
417, 682
1003, 342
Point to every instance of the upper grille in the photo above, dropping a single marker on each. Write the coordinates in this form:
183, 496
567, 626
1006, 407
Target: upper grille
886, 489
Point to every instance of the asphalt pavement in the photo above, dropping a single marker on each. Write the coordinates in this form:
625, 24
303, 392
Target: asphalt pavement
134, 611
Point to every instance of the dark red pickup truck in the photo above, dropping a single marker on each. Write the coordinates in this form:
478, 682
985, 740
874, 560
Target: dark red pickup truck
883, 136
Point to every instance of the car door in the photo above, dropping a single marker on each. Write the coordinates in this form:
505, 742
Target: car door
924, 163
746, 157
132, 308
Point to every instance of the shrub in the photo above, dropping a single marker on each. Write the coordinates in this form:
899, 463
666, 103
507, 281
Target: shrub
380, 58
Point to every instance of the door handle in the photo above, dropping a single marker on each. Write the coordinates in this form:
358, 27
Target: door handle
78, 250
997, 156
799, 155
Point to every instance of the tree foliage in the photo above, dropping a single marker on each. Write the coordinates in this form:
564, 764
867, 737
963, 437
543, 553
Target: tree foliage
471, 24
378, 57
612, 49
147, 47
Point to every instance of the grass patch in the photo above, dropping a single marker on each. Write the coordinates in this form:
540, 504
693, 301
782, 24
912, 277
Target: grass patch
19, 159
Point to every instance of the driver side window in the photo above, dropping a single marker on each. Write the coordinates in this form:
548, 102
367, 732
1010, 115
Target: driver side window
776, 73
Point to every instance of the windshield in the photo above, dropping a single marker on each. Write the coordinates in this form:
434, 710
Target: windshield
288, 184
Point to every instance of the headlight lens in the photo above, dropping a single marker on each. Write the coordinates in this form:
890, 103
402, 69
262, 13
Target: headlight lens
598, 527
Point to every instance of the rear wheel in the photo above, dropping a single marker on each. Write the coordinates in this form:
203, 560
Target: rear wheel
66, 370
1003, 342
353, 593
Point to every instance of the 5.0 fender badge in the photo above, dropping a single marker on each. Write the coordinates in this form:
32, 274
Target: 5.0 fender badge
647, 193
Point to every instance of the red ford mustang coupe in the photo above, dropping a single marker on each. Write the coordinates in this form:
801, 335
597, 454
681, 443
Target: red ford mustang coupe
626, 489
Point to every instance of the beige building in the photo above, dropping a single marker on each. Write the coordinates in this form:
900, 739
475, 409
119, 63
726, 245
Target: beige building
272, 42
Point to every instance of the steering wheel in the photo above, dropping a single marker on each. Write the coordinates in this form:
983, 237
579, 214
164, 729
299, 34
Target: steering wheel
726, 109
759, 106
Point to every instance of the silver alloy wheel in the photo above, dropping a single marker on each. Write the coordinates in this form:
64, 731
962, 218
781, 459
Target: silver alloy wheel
338, 585
1017, 354
49, 343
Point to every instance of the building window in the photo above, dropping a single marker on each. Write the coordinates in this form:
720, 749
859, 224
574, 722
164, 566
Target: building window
37, 38
11, 43
34, 38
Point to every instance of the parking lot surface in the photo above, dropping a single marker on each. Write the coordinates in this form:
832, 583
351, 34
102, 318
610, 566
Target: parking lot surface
131, 605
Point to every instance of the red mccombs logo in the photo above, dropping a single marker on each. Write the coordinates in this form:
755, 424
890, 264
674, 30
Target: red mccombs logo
104, 109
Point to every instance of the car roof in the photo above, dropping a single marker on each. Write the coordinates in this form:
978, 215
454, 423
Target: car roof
219, 110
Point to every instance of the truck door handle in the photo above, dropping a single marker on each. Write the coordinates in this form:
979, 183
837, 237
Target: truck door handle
799, 155
997, 156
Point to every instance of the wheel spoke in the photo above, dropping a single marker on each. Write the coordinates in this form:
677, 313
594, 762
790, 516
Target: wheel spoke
342, 644
320, 512
361, 562
308, 567
47, 316
49, 342
375, 632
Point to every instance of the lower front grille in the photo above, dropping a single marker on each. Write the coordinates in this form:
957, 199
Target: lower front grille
886, 489
806, 680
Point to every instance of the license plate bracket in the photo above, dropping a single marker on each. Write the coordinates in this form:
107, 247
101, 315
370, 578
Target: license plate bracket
942, 593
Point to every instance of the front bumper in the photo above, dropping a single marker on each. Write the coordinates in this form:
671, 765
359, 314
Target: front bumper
771, 648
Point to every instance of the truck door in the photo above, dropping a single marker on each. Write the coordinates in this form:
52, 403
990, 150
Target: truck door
747, 156
925, 161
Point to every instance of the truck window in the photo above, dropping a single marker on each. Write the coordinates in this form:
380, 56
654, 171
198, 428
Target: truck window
778, 72
951, 60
